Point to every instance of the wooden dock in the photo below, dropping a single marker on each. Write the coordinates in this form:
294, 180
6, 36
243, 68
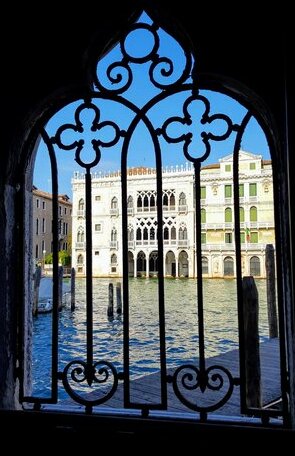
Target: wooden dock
146, 389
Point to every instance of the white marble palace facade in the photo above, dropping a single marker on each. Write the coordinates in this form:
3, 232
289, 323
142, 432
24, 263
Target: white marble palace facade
217, 216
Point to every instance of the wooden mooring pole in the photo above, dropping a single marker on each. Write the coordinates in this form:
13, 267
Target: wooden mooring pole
73, 288
119, 298
252, 355
111, 302
271, 290
37, 278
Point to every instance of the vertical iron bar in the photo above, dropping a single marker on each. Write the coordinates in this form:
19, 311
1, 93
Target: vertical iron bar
161, 295
126, 355
281, 298
55, 291
89, 302
197, 168
160, 265
55, 288
238, 260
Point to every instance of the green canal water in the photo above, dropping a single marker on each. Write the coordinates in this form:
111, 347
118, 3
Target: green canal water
221, 328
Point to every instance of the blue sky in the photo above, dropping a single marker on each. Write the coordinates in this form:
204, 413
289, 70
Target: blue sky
138, 44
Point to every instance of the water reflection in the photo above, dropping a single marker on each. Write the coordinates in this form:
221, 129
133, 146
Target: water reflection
221, 331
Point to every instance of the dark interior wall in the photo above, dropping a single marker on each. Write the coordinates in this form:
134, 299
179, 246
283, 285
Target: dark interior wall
45, 50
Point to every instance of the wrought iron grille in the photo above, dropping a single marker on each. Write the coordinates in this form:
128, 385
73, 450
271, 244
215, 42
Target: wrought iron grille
196, 136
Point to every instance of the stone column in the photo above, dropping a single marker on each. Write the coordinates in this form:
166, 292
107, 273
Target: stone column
135, 265
147, 268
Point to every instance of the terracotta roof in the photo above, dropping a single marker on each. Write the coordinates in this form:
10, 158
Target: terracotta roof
62, 198
212, 166
41, 193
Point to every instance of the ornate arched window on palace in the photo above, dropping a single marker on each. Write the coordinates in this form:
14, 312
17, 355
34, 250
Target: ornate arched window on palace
154, 138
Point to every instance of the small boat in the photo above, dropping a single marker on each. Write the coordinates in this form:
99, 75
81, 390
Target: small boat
45, 306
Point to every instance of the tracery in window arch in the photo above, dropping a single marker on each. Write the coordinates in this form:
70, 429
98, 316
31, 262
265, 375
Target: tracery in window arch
147, 117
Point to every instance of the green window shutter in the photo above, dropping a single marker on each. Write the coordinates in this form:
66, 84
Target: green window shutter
254, 237
228, 214
203, 192
253, 214
203, 215
227, 168
252, 165
203, 238
227, 191
253, 190
242, 236
241, 190
242, 214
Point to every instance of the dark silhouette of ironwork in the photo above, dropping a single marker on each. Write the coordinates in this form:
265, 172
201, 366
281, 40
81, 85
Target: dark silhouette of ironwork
114, 84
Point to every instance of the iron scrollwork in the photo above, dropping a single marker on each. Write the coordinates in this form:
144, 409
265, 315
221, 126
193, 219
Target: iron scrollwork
88, 136
202, 141
119, 73
100, 373
188, 378
198, 126
79, 132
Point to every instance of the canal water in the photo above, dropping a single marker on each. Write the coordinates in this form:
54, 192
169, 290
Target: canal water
221, 328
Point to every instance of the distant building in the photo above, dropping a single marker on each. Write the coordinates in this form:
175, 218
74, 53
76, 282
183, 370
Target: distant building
217, 217
42, 223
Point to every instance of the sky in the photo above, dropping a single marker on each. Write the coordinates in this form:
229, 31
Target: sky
140, 43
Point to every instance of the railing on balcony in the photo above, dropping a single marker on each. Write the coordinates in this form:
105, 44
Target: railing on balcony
214, 226
146, 242
130, 211
170, 241
147, 209
80, 213
114, 245
266, 225
182, 209
252, 246
183, 243
228, 225
231, 246
228, 200
253, 199
114, 211
166, 242
257, 225
80, 245
154, 209
168, 208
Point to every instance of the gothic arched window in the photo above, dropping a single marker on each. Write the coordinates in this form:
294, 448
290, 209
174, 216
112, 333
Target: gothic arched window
182, 199
146, 99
